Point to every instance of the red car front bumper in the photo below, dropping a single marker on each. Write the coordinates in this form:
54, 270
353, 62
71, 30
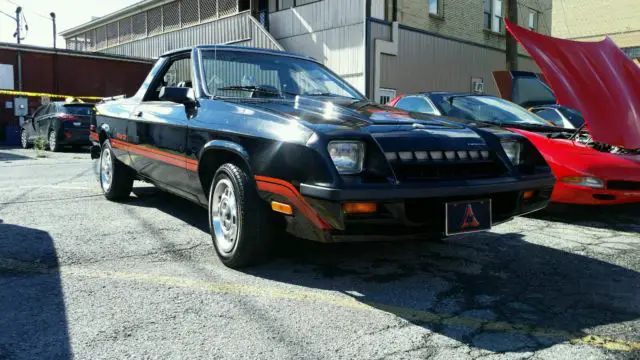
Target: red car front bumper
572, 194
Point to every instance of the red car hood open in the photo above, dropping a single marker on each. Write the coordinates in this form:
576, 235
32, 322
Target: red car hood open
595, 78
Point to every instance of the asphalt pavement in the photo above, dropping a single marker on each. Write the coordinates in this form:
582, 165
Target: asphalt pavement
85, 278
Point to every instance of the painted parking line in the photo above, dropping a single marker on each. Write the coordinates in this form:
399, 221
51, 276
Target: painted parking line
416, 316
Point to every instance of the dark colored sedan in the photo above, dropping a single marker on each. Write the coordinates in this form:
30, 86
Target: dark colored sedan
59, 124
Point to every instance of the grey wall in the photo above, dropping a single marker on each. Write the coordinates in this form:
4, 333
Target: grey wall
239, 28
427, 62
331, 31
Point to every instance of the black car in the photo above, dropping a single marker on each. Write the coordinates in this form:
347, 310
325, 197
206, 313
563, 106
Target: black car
269, 141
58, 124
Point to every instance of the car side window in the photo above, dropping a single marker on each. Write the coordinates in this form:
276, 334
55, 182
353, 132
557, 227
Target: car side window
416, 104
551, 115
39, 111
177, 73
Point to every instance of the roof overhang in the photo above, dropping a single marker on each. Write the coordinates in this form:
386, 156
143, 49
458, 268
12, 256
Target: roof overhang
133, 9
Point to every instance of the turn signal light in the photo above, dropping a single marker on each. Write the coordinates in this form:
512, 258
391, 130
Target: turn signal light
281, 208
528, 195
360, 208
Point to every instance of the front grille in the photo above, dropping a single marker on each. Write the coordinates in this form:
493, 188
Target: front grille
412, 167
623, 185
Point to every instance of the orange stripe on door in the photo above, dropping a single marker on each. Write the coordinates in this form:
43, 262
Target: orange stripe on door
159, 155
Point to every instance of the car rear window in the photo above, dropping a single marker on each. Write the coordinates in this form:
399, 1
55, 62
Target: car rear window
78, 110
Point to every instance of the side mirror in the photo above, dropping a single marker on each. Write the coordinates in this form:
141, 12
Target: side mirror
179, 95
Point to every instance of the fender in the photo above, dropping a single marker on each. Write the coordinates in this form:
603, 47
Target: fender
226, 146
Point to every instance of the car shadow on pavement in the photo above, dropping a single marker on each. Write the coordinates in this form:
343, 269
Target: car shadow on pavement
6, 156
624, 217
33, 322
491, 291
175, 206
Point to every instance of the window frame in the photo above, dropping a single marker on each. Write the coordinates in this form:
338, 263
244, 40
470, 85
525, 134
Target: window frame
151, 89
438, 13
294, 5
492, 16
536, 19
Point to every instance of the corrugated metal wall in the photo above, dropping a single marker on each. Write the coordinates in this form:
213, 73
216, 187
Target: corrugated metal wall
426, 62
233, 29
331, 31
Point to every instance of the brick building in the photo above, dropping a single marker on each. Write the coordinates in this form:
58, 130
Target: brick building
591, 20
66, 72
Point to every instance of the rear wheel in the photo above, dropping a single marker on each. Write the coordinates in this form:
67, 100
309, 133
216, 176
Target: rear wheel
53, 141
238, 218
116, 179
24, 139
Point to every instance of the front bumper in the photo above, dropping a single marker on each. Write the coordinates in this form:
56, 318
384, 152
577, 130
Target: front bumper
572, 194
406, 210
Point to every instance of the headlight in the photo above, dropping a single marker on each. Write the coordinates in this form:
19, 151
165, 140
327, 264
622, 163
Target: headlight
512, 149
347, 156
583, 181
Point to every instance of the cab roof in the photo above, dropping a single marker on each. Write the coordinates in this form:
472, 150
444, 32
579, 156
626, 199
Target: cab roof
235, 48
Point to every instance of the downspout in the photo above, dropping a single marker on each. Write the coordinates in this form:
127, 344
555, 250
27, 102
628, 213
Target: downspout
383, 47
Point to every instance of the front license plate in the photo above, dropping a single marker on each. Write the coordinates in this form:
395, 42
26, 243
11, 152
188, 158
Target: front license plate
77, 123
467, 216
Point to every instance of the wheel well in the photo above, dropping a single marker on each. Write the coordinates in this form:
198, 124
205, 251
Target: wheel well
102, 136
210, 162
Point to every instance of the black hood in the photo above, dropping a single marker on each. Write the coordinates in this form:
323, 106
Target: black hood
392, 127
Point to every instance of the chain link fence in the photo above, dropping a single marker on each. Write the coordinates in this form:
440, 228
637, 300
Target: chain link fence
168, 17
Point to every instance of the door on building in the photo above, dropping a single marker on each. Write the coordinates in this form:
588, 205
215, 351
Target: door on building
157, 130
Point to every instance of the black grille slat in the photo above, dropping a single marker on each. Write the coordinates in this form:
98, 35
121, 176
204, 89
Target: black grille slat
623, 185
447, 171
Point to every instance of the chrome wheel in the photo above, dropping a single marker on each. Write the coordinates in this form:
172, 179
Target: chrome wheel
52, 141
224, 216
23, 139
106, 169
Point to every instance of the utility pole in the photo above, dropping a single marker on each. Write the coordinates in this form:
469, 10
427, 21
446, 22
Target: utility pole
512, 45
53, 19
17, 34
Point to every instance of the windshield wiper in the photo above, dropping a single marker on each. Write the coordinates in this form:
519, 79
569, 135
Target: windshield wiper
328, 94
250, 88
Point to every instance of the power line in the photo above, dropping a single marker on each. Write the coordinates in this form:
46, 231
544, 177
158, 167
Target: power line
29, 10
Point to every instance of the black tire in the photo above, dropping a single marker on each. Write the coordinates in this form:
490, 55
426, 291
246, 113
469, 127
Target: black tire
122, 176
24, 139
53, 145
255, 232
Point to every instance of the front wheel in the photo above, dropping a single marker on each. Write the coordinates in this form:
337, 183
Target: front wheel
116, 179
238, 218
53, 141
24, 140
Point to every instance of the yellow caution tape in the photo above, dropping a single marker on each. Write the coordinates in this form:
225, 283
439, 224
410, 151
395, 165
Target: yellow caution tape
27, 93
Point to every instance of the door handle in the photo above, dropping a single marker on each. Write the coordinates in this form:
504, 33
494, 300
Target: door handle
138, 114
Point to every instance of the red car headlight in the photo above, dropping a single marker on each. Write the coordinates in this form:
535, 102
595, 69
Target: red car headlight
583, 181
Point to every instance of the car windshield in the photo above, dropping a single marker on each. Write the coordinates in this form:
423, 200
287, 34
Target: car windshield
488, 109
574, 117
256, 75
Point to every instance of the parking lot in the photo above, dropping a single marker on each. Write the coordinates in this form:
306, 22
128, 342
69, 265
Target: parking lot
86, 278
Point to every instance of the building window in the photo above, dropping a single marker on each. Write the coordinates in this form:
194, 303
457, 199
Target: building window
533, 20
285, 4
492, 15
434, 7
